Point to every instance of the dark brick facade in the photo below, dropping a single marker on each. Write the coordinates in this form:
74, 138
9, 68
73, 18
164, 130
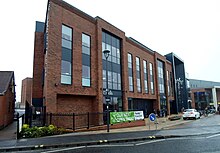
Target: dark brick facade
26, 91
37, 91
59, 98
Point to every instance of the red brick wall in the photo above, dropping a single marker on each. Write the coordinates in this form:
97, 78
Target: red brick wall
75, 104
38, 65
53, 56
143, 55
2, 103
169, 97
59, 14
218, 95
26, 91
6, 113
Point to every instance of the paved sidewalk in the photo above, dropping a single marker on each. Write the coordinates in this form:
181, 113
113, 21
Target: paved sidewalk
94, 137
9, 132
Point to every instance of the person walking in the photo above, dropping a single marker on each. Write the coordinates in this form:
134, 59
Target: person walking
218, 109
206, 112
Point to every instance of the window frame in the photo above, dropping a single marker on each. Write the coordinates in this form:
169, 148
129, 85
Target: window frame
86, 45
64, 77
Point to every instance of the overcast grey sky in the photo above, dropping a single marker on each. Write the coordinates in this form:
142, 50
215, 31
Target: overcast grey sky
189, 28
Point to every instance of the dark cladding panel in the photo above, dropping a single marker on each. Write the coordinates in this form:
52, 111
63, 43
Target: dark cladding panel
39, 26
37, 102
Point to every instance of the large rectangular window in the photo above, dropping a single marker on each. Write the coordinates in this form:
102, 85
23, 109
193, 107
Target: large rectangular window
130, 73
138, 74
171, 84
145, 76
86, 77
113, 67
160, 70
161, 83
151, 78
66, 63
168, 83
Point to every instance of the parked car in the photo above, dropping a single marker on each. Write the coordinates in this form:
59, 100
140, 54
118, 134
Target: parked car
191, 113
18, 112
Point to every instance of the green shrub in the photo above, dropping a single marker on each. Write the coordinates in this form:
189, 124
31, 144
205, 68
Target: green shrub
35, 132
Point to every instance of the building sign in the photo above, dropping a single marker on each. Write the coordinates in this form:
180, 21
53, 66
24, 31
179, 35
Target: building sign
119, 117
138, 115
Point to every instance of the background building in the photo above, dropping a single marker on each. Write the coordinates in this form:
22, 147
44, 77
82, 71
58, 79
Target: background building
7, 97
205, 93
71, 72
26, 91
180, 84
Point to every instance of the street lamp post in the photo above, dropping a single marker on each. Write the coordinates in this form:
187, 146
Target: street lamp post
107, 98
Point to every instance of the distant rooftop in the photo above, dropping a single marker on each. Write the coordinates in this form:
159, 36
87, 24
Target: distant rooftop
39, 26
195, 84
5, 79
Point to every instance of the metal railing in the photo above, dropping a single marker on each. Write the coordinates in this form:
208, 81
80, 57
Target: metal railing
20, 122
76, 121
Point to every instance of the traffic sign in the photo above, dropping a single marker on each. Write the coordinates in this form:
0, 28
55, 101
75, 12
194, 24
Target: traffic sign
152, 117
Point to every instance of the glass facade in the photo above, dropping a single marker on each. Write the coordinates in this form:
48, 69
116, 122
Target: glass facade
151, 78
138, 74
86, 77
168, 84
160, 69
66, 63
113, 63
145, 76
161, 84
203, 99
130, 73
171, 84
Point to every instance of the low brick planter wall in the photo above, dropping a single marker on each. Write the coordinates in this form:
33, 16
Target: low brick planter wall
115, 126
128, 124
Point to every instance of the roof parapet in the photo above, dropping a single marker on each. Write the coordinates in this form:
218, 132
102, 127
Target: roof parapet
140, 44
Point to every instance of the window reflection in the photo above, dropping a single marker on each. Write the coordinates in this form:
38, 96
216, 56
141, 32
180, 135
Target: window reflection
112, 43
66, 63
86, 77
130, 74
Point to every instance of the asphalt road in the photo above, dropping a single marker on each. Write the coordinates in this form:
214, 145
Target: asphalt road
193, 140
198, 144
211, 120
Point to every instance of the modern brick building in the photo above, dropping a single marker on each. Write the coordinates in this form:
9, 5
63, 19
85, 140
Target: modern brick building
7, 98
69, 72
26, 91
